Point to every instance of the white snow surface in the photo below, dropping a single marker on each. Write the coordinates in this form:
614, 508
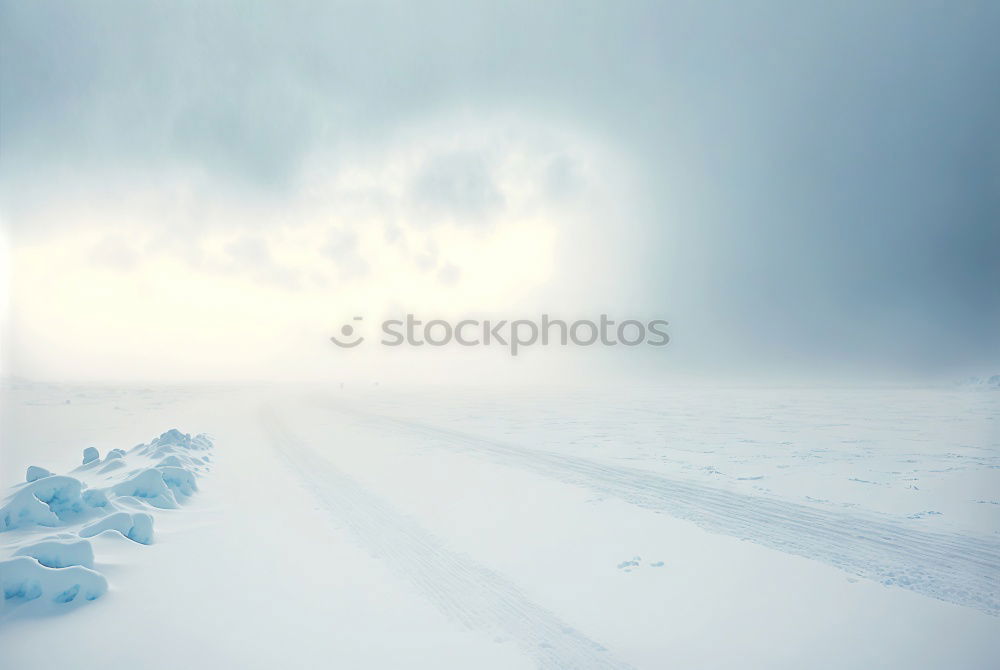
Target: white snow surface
643, 527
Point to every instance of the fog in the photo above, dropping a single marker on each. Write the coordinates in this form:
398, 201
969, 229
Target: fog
196, 193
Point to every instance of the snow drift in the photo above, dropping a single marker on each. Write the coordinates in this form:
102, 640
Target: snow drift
59, 569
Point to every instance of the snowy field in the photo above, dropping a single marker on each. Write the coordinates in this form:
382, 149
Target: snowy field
641, 527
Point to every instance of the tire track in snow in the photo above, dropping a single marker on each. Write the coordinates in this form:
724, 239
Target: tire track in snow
956, 568
463, 589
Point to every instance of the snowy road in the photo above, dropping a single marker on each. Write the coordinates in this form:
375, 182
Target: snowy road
469, 592
957, 568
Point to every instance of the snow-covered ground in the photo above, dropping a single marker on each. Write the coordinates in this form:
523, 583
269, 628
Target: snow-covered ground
643, 527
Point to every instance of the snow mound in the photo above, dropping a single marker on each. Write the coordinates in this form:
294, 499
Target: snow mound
991, 382
114, 498
186, 461
174, 440
95, 498
50, 501
148, 485
137, 527
175, 460
24, 578
180, 481
58, 554
34, 472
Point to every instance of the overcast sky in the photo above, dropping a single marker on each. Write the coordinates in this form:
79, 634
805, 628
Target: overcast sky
208, 190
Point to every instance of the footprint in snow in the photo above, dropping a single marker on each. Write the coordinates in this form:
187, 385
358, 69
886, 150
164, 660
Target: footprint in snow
628, 565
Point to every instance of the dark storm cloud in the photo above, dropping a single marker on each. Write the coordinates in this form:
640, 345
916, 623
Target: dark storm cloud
821, 180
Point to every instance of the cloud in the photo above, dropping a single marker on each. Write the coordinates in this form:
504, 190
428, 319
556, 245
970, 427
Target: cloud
249, 251
563, 177
114, 251
342, 248
766, 165
428, 259
449, 274
252, 256
457, 186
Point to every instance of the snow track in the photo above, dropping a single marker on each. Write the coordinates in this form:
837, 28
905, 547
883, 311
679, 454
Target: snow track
464, 590
956, 568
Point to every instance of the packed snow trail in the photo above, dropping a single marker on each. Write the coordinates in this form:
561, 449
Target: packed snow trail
956, 568
464, 590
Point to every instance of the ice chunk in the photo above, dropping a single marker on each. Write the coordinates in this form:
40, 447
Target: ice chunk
58, 568
172, 460
179, 480
172, 444
173, 438
95, 497
137, 526
25, 578
56, 554
35, 472
201, 441
148, 485
993, 381
44, 502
